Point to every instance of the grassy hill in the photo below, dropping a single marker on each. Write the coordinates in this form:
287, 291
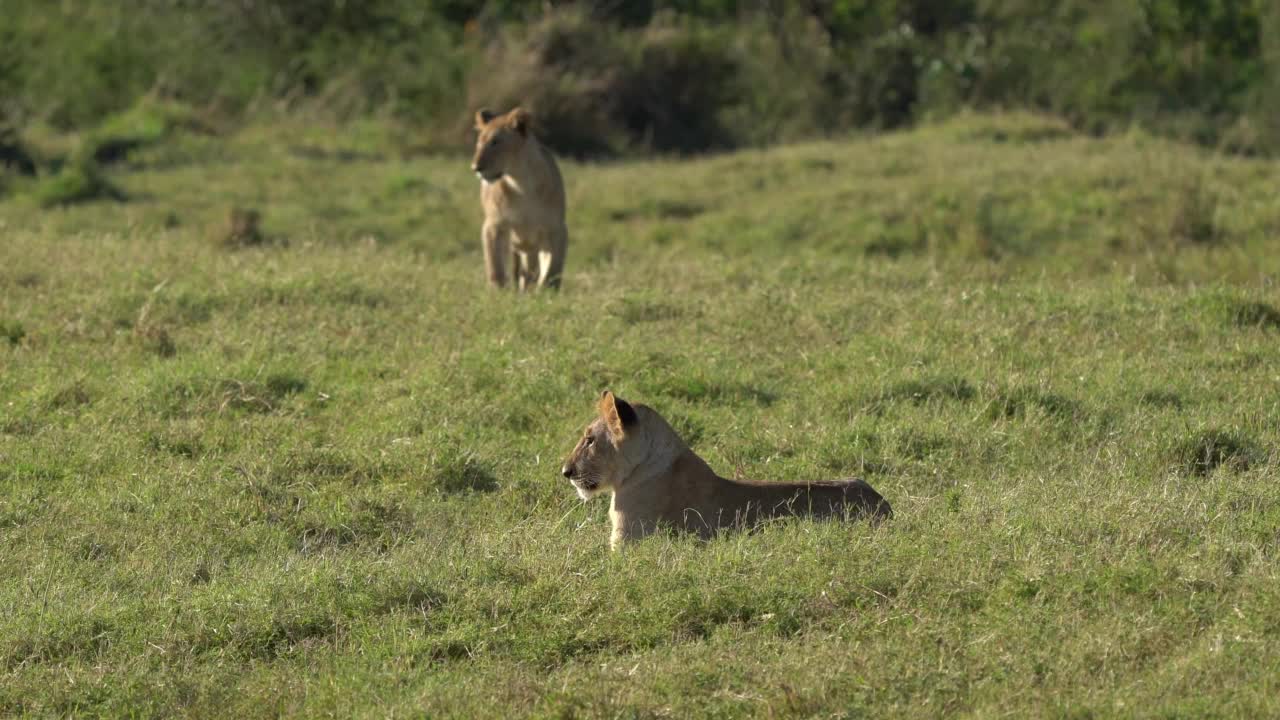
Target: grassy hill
314, 470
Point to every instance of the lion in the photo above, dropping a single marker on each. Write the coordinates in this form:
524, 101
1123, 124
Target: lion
657, 481
523, 198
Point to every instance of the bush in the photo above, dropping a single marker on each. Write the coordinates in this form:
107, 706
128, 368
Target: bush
1188, 67
666, 75
73, 63
14, 156
350, 58
599, 89
674, 85
1264, 118
77, 182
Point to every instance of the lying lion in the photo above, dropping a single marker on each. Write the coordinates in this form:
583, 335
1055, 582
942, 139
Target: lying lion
656, 480
523, 198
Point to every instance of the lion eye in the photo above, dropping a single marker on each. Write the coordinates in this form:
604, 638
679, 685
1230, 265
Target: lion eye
590, 439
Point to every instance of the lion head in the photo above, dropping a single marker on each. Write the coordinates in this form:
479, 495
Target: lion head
500, 139
606, 453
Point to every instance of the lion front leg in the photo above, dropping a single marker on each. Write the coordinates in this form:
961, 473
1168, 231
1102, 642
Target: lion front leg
627, 527
528, 272
493, 236
553, 258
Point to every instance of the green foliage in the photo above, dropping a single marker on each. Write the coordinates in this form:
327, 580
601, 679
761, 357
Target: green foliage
73, 63
13, 331
76, 182
144, 124
15, 158
599, 89
661, 75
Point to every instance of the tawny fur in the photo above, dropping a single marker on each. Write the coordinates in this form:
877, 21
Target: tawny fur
522, 193
657, 481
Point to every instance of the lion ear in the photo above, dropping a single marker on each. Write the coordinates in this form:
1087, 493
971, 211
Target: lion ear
521, 119
484, 116
617, 413
626, 413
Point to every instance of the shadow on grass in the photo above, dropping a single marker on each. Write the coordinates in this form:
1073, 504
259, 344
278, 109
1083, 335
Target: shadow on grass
661, 209
456, 473
1254, 315
698, 390
941, 388
1018, 402
1157, 398
1203, 453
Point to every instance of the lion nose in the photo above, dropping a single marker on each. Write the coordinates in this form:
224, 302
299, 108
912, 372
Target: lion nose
566, 471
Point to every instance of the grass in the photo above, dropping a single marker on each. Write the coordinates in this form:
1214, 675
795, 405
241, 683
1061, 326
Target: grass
320, 476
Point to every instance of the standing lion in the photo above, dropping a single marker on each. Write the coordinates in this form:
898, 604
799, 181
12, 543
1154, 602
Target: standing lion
523, 198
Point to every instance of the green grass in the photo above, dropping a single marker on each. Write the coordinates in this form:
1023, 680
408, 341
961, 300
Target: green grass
320, 476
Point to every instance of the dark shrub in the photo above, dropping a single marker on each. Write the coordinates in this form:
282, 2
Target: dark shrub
599, 89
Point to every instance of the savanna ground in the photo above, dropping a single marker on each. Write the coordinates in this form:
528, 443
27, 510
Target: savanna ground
318, 474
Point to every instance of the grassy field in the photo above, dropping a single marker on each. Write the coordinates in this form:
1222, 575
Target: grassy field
318, 476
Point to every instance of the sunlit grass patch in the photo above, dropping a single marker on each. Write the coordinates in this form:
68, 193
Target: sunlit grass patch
321, 474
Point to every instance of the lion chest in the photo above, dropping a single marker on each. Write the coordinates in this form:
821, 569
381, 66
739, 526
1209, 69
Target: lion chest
518, 208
